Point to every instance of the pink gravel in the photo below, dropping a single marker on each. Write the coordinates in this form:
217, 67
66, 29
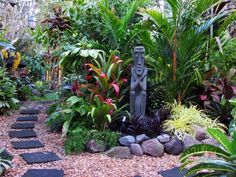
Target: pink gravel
83, 165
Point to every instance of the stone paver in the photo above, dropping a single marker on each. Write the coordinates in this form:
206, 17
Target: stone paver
22, 126
22, 134
39, 157
27, 118
44, 173
29, 111
27, 144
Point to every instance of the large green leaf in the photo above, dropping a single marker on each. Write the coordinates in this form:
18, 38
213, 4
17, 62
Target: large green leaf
223, 140
217, 165
203, 148
73, 100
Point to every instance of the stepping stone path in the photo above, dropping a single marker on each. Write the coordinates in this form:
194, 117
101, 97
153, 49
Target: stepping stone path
25, 131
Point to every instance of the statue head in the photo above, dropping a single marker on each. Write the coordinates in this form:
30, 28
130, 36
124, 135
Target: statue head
139, 52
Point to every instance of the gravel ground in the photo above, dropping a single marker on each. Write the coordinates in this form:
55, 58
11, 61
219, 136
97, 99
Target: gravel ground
83, 165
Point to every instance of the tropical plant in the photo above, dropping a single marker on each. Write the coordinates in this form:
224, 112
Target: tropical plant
183, 120
120, 31
4, 163
223, 164
150, 125
7, 92
179, 39
80, 136
35, 65
232, 125
55, 121
216, 95
40, 87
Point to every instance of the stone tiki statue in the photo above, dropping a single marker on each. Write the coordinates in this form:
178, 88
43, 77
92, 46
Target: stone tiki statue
138, 84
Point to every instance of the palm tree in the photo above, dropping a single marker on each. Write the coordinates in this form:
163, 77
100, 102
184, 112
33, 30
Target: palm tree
180, 38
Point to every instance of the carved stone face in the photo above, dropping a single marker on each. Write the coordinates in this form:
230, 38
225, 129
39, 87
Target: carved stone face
139, 60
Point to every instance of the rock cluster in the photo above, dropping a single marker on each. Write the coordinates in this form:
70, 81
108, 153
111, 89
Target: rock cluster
142, 144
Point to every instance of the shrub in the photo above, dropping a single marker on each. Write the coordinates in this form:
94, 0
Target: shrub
232, 125
80, 136
24, 92
7, 93
183, 119
217, 94
56, 120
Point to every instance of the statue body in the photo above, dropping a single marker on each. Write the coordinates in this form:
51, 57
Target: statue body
138, 84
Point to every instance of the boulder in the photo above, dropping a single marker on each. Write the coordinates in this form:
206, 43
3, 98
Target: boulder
136, 149
174, 146
210, 141
153, 147
127, 140
95, 146
141, 138
200, 133
164, 138
119, 152
189, 141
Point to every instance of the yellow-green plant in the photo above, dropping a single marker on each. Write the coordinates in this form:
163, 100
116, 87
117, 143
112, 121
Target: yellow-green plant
183, 120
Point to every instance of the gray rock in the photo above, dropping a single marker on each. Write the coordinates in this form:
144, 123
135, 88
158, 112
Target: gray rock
200, 133
164, 138
174, 146
210, 141
189, 141
119, 152
127, 140
141, 138
153, 147
95, 146
136, 149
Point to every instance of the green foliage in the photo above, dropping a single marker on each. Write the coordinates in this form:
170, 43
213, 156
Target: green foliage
7, 92
180, 43
40, 87
79, 137
52, 108
223, 165
224, 58
183, 120
55, 121
232, 125
46, 97
157, 97
217, 93
4, 163
24, 92
35, 65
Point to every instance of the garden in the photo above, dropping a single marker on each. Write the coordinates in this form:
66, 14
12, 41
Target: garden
114, 88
